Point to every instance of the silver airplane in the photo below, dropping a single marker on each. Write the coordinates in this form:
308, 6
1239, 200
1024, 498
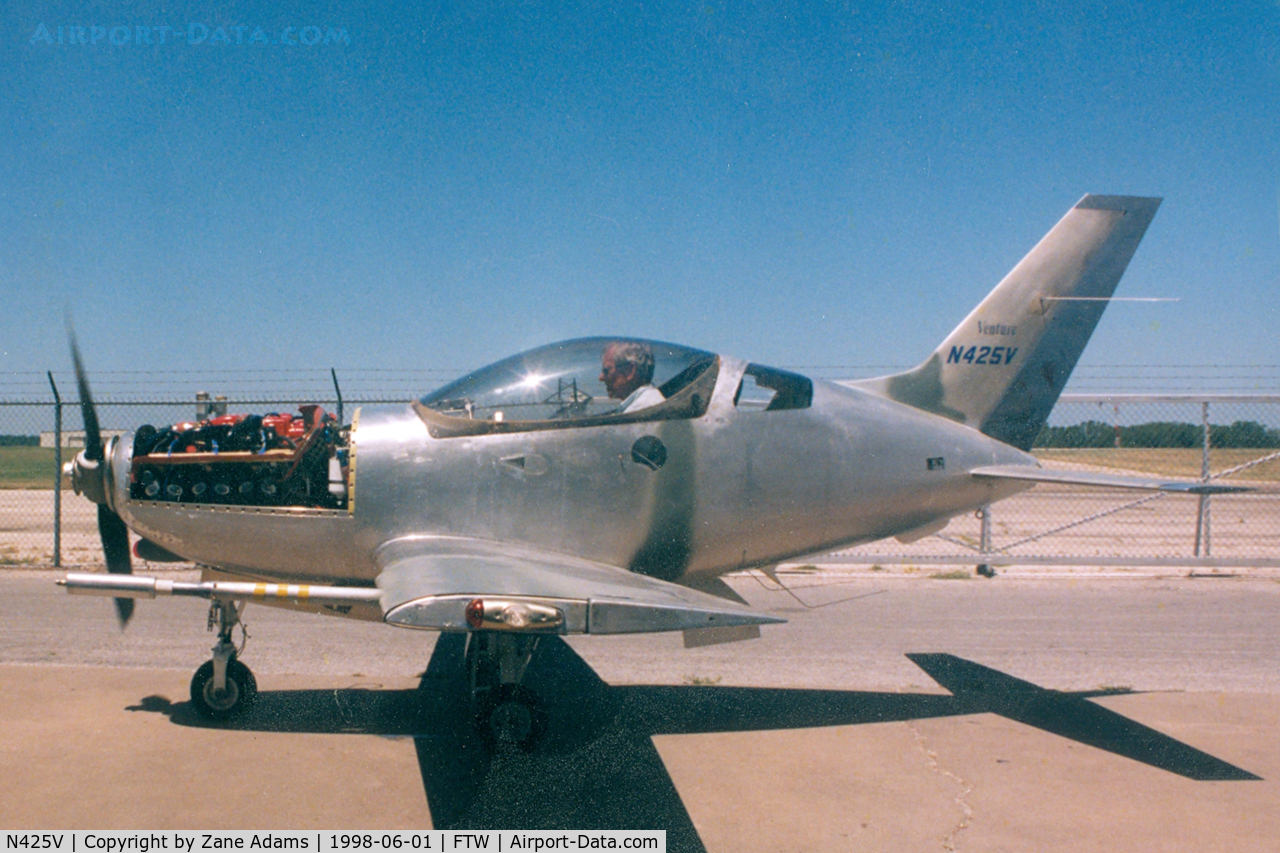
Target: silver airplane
598, 485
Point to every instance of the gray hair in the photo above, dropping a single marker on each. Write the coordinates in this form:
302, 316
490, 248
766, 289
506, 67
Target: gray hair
638, 353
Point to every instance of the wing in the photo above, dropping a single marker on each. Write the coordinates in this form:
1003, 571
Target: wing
431, 582
1089, 478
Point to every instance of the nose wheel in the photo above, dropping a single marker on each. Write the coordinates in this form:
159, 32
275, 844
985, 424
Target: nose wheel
223, 688
239, 689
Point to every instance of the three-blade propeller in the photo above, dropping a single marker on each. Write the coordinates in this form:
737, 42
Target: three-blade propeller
90, 476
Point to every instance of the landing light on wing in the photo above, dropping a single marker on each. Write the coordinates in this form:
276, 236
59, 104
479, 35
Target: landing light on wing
501, 614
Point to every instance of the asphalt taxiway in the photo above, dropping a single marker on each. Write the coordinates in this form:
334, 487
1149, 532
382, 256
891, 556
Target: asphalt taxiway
888, 714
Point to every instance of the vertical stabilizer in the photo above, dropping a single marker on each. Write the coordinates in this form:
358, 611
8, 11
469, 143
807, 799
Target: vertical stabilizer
1002, 369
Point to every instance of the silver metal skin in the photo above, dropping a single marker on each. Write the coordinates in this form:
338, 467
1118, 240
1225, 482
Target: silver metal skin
739, 488
748, 487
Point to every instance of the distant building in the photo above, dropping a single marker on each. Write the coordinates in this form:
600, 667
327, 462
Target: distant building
209, 407
75, 437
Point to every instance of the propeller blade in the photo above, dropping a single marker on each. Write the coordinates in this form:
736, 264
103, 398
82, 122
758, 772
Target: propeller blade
111, 528
92, 432
115, 548
115, 541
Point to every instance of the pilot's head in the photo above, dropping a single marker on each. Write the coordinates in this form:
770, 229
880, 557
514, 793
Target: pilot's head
626, 366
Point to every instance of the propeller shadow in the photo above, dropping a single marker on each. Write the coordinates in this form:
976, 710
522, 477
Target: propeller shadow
597, 766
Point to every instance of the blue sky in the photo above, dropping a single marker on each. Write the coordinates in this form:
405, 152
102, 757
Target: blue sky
801, 184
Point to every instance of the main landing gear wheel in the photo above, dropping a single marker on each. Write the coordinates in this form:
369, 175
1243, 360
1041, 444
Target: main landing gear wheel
233, 700
507, 716
511, 717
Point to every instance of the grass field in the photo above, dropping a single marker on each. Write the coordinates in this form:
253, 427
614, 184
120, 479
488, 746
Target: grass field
1172, 461
29, 467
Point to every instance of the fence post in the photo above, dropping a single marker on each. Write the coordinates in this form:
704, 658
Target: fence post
1202, 513
57, 474
984, 542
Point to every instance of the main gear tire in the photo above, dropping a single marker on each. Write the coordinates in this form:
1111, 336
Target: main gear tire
511, 718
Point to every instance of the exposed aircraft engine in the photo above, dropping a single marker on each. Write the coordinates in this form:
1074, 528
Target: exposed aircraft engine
258, 460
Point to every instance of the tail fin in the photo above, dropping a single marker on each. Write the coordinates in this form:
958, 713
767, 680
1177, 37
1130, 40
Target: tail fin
1003, 368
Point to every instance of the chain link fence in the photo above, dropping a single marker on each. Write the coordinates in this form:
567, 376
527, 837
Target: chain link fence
1232, 439
1224, 438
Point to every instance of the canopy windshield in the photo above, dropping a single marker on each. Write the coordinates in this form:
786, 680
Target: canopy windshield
573, 380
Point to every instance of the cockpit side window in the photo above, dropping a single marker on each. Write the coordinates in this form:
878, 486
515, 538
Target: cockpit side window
768, 389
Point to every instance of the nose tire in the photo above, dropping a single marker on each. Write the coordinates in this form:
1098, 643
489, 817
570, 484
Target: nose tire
239, 696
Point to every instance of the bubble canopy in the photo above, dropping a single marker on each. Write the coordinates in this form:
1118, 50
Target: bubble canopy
563, 381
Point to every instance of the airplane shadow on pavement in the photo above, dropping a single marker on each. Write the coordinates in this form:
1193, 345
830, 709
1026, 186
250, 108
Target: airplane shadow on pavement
597, 767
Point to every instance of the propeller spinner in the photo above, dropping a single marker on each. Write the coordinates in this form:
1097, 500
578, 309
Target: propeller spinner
88, 477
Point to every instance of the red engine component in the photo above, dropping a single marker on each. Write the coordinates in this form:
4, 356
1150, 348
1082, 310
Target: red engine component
270, 431
284, 426
264, 460
296, 427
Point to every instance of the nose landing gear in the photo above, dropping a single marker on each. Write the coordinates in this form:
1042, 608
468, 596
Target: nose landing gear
234, 698
223, 687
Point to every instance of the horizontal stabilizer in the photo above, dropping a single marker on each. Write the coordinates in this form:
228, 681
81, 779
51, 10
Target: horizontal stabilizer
431, 582
1106, 481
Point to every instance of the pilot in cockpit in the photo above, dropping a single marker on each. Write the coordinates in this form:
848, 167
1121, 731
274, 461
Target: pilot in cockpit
627, 374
